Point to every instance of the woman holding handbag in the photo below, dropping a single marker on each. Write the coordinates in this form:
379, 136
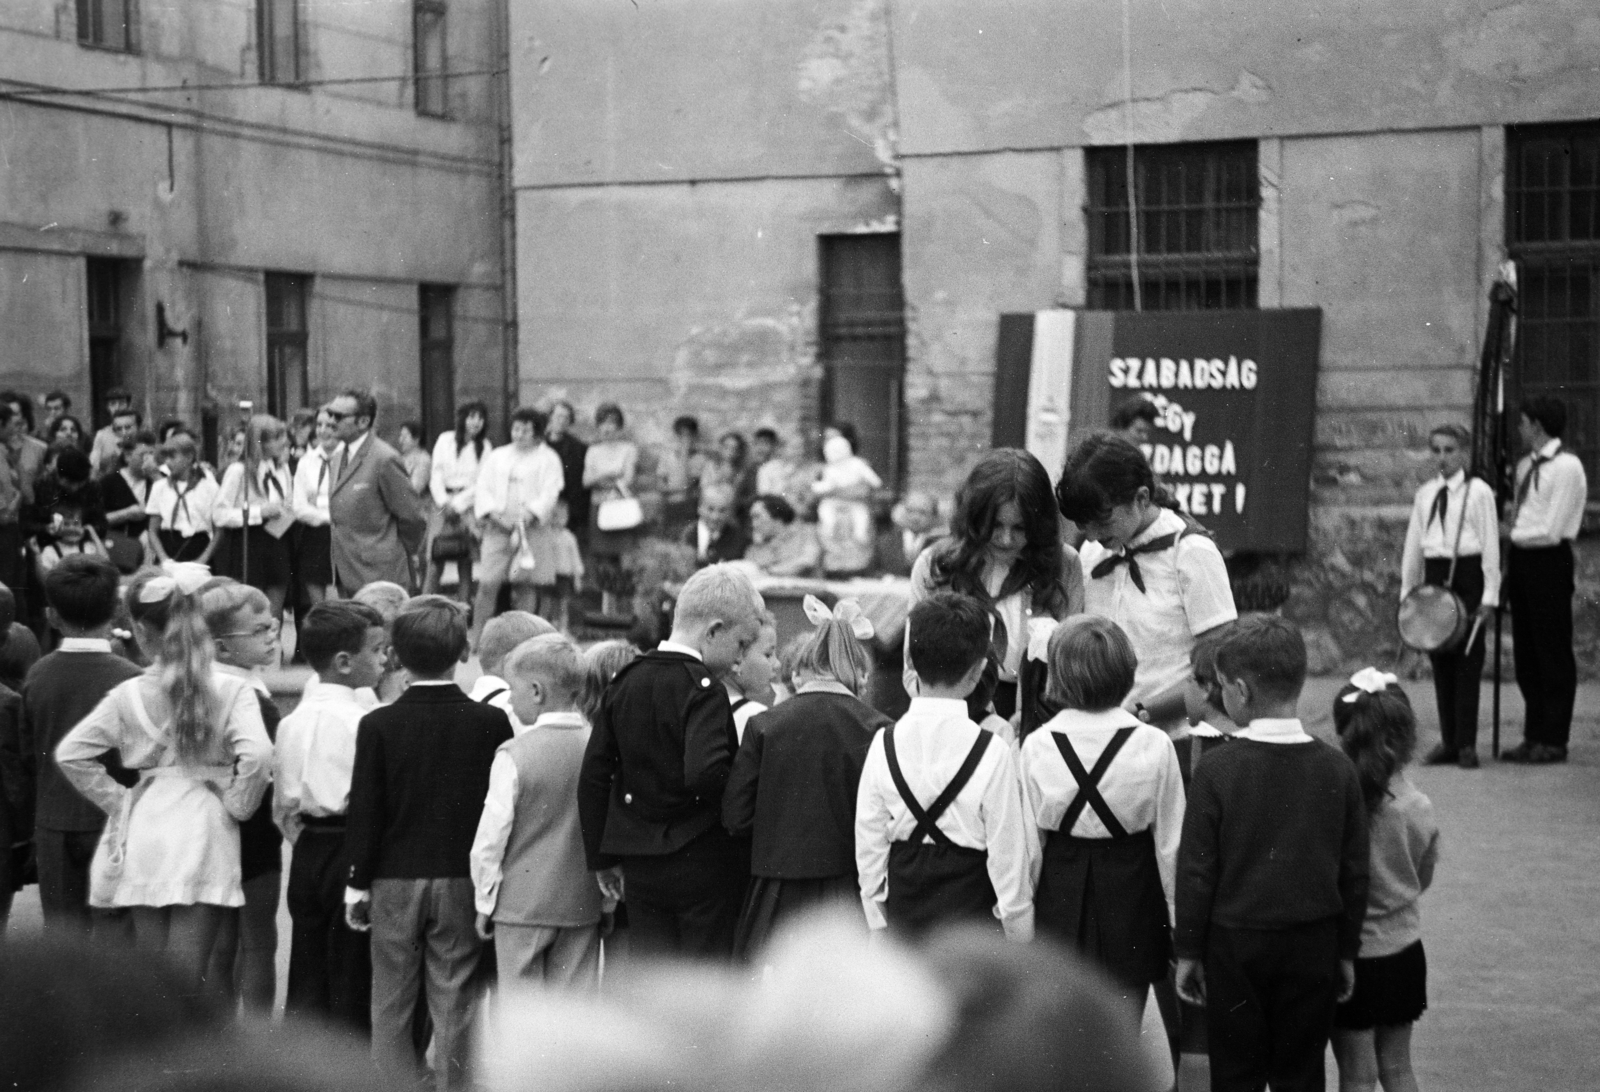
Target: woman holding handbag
452, 529
518, 488
609, 470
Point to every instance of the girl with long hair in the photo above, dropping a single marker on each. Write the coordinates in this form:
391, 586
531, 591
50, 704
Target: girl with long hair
1372, 1030
179, 505
170, 850
457, 455
1145, 568
254, 509
1006, 550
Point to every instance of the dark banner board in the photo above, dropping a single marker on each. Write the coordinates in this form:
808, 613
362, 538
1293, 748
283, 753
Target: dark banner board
1235, 391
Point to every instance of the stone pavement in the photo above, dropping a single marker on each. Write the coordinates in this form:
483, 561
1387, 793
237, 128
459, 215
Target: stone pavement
1512, 924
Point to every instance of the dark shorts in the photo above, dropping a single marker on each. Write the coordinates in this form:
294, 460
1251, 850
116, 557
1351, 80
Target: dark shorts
1390, 990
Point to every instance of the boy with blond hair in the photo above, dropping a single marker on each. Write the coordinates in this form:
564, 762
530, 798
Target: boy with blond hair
502, 634
536, 898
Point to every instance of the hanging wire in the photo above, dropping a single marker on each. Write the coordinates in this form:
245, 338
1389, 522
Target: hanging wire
1127, 140
239, 85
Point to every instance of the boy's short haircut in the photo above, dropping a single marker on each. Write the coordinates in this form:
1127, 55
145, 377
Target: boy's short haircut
551, 658
949, 633
384, 596
1092, 664
334, 626
83, 590
1459, 433
430, 635
767, 434
687, 424
504, 632
1548, 412
1134, 409
717, 593
1203, 661
1267, 652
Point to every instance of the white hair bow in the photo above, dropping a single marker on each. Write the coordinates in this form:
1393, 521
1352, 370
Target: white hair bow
182, 576
1371, 681
848, 612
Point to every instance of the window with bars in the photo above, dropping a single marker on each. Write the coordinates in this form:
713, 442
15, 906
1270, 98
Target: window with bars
1197, 227
862, 343
104, 313
430, 61
109, 24
278, 40
436, 311
1553, 234
287, 340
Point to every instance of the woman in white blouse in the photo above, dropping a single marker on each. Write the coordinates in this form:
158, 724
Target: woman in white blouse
456, 458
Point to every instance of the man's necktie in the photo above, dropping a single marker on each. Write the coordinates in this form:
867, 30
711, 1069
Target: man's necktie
1441, 506
1129, 557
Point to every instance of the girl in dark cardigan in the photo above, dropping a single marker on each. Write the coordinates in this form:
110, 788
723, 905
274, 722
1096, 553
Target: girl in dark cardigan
793, 784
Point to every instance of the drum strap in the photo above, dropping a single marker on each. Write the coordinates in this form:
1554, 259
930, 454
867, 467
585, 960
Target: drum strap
1461, 525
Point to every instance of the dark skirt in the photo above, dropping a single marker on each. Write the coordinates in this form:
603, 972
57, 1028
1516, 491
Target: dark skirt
1103, 896
267, 557
770, 902
260, 844
313, 554
932, 885
1391, 990
179, 548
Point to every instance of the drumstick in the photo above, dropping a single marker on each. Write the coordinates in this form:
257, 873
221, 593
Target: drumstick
1472, 635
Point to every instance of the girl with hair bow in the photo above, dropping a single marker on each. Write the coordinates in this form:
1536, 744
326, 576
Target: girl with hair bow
794, 779
170, 850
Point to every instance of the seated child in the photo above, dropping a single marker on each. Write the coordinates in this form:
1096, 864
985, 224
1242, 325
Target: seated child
844, 518
1372, 1030
1272, 873
749, 682
1105, 794
68, 536
330, 967
501, 634
941, 834
794, 781
416, 791
536, 898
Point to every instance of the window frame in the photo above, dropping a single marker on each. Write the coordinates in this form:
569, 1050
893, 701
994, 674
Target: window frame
430, 88
281, 340
87, 11
1197, 250
848, 315
268, 62
430, 350
104, 285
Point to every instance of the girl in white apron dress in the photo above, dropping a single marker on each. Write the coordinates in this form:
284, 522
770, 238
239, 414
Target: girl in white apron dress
170, 850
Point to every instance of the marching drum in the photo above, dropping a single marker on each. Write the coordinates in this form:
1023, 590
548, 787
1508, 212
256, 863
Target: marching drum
1433, 619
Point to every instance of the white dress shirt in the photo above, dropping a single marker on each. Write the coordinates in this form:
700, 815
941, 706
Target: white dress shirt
1143, 786
183, 508
313, 480
931, 742
514, 483
455, 473
499, 812
1186, 592
236, 506
1469, 512
1552, 508
316, 753
494, 684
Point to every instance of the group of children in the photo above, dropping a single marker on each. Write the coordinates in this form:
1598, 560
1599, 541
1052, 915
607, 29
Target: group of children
575, 800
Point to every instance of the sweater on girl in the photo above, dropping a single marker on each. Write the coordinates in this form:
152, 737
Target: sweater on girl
1404, 849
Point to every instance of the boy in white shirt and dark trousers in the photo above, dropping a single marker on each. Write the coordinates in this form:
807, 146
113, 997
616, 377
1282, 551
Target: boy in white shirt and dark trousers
941, 834
501, 635
1548, 512
536, 898
1272, 874
330, 968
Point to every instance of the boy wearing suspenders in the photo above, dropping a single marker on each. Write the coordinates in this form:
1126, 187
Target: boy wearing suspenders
940, 831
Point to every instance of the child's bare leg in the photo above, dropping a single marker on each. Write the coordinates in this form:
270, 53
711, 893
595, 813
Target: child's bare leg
223, 962
1394, 1059
258, 942
191, 934
1358, 1060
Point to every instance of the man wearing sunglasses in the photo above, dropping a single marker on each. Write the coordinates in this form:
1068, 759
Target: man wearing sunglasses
377, 519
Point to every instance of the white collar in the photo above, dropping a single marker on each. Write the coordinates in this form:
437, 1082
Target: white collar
1548, 451
1454, 481
84, 644
1092, 720
1274, 730
569, 718
354, 446
673, 646
332, 691
1205, 731
487, 683
430, 682
826, 686
939, 708
1158, 527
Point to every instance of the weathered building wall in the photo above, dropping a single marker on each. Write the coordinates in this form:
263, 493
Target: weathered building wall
204, 190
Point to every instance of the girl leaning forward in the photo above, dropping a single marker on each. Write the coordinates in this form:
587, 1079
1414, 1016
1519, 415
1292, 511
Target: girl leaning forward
170, 850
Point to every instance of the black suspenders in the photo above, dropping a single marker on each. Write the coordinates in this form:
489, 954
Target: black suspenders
928, 820
1089, 783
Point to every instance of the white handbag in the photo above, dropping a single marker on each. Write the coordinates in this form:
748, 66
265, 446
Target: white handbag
622, 513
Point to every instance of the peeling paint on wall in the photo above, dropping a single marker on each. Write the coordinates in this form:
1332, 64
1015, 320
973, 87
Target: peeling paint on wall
1165, 117
846, 70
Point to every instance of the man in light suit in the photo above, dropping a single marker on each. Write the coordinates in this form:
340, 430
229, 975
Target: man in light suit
377, 519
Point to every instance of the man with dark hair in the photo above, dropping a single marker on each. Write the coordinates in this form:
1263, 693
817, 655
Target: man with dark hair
1134, 420
56, 405
376, 517
119, 403
1547, 513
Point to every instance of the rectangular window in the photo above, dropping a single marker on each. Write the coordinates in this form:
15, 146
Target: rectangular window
436, 312
1197, 227
430, 61
278, 40
108, 24
104, 312
287, 386
862, 342
1553, 234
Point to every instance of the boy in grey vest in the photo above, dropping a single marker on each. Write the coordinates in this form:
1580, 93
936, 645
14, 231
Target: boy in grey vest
536, 897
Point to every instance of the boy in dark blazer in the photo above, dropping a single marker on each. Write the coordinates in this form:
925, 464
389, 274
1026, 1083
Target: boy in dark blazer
650, 791
417, 790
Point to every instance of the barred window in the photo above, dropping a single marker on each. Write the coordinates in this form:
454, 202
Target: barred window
1553, 234
288, 388
1197, 228
436, 337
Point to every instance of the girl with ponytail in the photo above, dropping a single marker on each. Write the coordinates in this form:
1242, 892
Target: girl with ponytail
794, 780
1372, 1030
170, 849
